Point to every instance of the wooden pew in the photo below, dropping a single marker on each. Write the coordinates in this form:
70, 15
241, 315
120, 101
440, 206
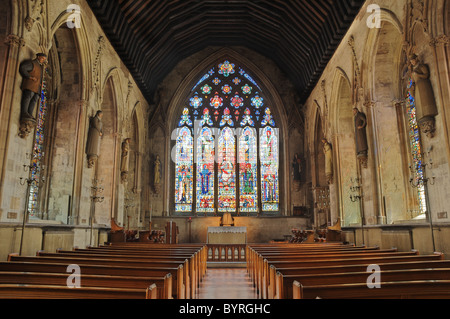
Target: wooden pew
20, 291
163, 284
193, 274
425, 289
164, 256
106, 270
267, 282
261, 268
145, 261
284, 282
199, 251
263, 263
254, 252
124, 263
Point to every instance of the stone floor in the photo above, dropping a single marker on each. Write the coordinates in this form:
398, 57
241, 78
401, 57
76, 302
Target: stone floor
227, 283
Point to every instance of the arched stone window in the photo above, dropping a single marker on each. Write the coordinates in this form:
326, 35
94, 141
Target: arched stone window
227, 147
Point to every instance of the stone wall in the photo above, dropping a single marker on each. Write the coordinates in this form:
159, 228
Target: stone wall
259, 230
85, 74
403, 237
367, 71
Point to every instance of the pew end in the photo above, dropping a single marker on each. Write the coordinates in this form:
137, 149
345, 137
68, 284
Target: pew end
12, 255
152, 292
439, 254
297, 290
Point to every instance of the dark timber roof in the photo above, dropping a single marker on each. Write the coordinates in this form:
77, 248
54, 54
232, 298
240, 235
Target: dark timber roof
152, 36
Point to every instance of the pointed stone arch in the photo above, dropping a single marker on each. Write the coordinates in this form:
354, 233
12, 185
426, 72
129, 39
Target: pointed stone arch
107, 167
385, 58
344, 149
64, 126
273, 99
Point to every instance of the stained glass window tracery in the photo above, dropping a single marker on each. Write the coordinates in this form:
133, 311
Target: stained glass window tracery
38, 152
205, 171
235, 150
416, 146
184, 171
227, 171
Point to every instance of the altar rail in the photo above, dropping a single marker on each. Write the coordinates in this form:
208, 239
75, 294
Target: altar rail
227, 253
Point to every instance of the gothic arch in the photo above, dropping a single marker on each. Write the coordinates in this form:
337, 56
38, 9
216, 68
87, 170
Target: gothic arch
344, 150
83, 47
107, 167
386, 58
272, 98
174, 109
64, 132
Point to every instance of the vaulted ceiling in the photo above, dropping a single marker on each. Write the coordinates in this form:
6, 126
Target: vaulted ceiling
152, 36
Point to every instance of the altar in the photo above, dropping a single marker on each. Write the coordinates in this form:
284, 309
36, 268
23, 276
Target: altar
227, 235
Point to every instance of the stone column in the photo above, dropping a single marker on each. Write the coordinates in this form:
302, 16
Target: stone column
9, 108
440, 46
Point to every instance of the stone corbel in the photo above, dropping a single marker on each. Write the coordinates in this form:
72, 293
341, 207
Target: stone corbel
428, 126
14, 41
36, 11
26, 127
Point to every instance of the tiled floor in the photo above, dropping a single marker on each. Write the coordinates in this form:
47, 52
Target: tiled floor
232, 283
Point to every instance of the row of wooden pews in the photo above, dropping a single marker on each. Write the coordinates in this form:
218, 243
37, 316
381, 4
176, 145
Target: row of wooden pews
112, 271
338, 271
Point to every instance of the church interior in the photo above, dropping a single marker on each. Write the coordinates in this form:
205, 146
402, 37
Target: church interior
218, 139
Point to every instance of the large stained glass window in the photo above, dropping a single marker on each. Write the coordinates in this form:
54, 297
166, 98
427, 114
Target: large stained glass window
269, 169
184, 171
235, 146
416, 146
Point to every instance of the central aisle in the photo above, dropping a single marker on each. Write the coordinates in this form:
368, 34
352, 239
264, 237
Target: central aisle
230, 283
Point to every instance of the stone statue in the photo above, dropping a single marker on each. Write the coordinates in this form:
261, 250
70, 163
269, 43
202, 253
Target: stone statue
297, 167
424, 96
157, 174
32, 72
328, 151
362, 147
94, 137
124, 165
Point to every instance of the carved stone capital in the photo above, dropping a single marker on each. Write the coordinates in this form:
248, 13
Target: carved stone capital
14, 40
369, 104
441, 40
399, 103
